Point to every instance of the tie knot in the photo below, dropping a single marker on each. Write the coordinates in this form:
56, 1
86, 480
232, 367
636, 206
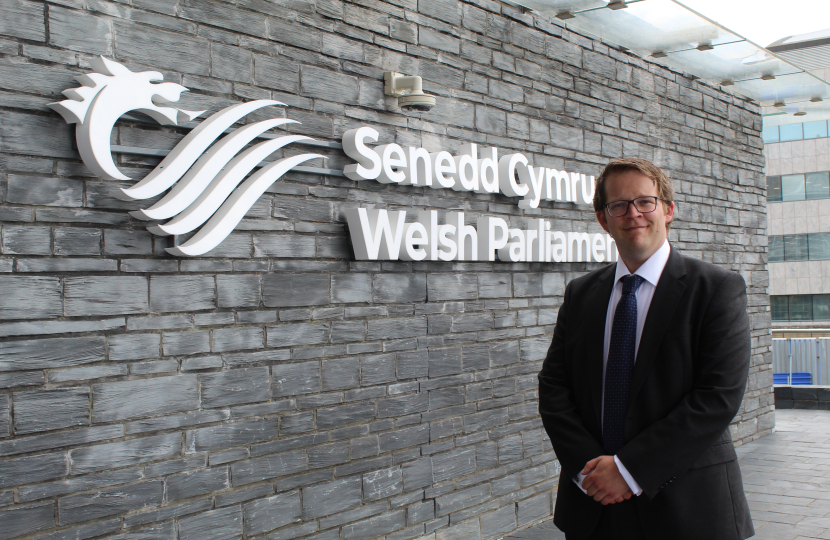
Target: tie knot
631, 283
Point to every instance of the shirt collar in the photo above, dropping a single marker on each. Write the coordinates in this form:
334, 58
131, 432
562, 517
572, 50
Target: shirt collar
649, 270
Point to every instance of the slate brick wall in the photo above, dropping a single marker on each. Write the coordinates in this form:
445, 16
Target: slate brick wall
276, 388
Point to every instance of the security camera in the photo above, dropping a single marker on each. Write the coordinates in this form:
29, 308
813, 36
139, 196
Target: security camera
396, 84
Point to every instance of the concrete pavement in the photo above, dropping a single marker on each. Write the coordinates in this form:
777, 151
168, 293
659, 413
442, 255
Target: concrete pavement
786, 479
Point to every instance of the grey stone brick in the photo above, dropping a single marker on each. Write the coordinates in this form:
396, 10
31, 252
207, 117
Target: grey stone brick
27, 240
343, 415
222, 523
33, 469
396, 328
294, 379
340, 374
351, 288
176, 421
344, 331
232, 339
327, 455
534, 349
331, 497
404, 438
238, 291
453, 464
182, 293
403, 405
51, 353
166, 512
27, 519
382, 484
412, 365
134, 346
444, 361
375, 526
498, 523
182, 343
194, 483
495, 285
124, 453
26, 378
235, 386
148, 397
284, 246
41, 191
295, 424
28, 297
153, 367
50, 409
106, 502
328, 85
105, 295
24, 20
118, 242
377, 369
400, 288
163, 531
77, 241
5, 424
231, 63
270, 513
80, 31
89, 531
286, 335
504, 353
417, 474
231, 434
273, 466
286, 290
442, 287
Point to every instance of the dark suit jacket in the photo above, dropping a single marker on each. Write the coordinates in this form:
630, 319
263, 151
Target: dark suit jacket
688, 382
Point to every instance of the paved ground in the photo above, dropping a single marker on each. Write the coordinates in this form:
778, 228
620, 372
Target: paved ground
786, 479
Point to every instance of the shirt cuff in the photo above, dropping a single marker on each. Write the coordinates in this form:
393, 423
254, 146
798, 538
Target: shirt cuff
578, 481
632, 484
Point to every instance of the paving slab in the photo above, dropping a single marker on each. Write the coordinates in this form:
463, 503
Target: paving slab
786, 479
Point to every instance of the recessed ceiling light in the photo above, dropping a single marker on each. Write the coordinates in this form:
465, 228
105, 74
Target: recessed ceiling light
727, 83
779, 104
617, 5
767, 77
659, 54
816, 99
800, 113
705, 47
565, 15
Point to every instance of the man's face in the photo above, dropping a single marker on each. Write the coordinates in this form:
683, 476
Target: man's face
637, 235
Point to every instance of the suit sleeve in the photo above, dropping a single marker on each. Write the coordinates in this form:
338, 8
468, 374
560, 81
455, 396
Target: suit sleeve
671, 446
572, 442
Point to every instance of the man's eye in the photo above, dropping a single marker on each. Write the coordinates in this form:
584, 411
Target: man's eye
618, 205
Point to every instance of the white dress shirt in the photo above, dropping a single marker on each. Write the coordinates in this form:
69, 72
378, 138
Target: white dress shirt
650, 271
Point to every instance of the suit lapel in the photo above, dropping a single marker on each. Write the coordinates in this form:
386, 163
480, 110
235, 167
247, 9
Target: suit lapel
669, 290
596, 305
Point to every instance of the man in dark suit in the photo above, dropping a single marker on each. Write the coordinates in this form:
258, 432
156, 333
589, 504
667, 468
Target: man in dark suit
646, 370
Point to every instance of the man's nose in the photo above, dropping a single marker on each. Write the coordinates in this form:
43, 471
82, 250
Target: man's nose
632, 210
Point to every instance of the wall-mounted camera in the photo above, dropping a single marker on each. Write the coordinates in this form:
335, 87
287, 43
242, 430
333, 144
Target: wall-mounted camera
408, 90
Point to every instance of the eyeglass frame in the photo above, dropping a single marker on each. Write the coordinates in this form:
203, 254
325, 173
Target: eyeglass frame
632, 201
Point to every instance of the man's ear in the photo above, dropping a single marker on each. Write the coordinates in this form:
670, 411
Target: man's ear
670, 212
601, 218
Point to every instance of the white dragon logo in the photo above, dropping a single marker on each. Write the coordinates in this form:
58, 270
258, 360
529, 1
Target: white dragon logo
206, 178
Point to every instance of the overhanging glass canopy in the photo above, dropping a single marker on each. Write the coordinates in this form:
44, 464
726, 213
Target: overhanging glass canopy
670, 33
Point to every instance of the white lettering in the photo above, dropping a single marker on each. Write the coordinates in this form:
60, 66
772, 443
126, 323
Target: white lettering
368, 162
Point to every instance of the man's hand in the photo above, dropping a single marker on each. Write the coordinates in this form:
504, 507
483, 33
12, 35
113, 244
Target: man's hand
605, 483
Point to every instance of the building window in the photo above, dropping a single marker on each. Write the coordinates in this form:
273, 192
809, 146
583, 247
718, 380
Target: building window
780, 308
791, 132
792, 187
798, 187
821, 307
774, 188
815, 130
818, 245
776, 249
796, 247
801, 307
770, 134
817, 185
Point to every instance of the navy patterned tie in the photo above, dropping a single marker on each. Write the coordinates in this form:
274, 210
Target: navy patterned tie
620, 366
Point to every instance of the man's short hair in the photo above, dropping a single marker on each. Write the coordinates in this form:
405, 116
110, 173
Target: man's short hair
665, 189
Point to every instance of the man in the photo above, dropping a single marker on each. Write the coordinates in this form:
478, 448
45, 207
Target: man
646, 369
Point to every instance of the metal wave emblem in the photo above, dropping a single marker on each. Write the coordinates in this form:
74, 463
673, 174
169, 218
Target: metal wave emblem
204, 176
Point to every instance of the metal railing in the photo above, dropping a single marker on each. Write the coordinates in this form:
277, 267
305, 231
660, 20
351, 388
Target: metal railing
812, 355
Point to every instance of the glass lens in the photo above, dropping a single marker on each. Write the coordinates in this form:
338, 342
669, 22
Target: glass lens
801, 307
792, 187
646, 204
776, 248
780, 309
795, 247
817, 185
617, 208
773, 188
821, 307
819, 246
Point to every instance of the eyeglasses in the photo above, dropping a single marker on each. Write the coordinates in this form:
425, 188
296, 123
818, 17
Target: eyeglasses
644, 205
